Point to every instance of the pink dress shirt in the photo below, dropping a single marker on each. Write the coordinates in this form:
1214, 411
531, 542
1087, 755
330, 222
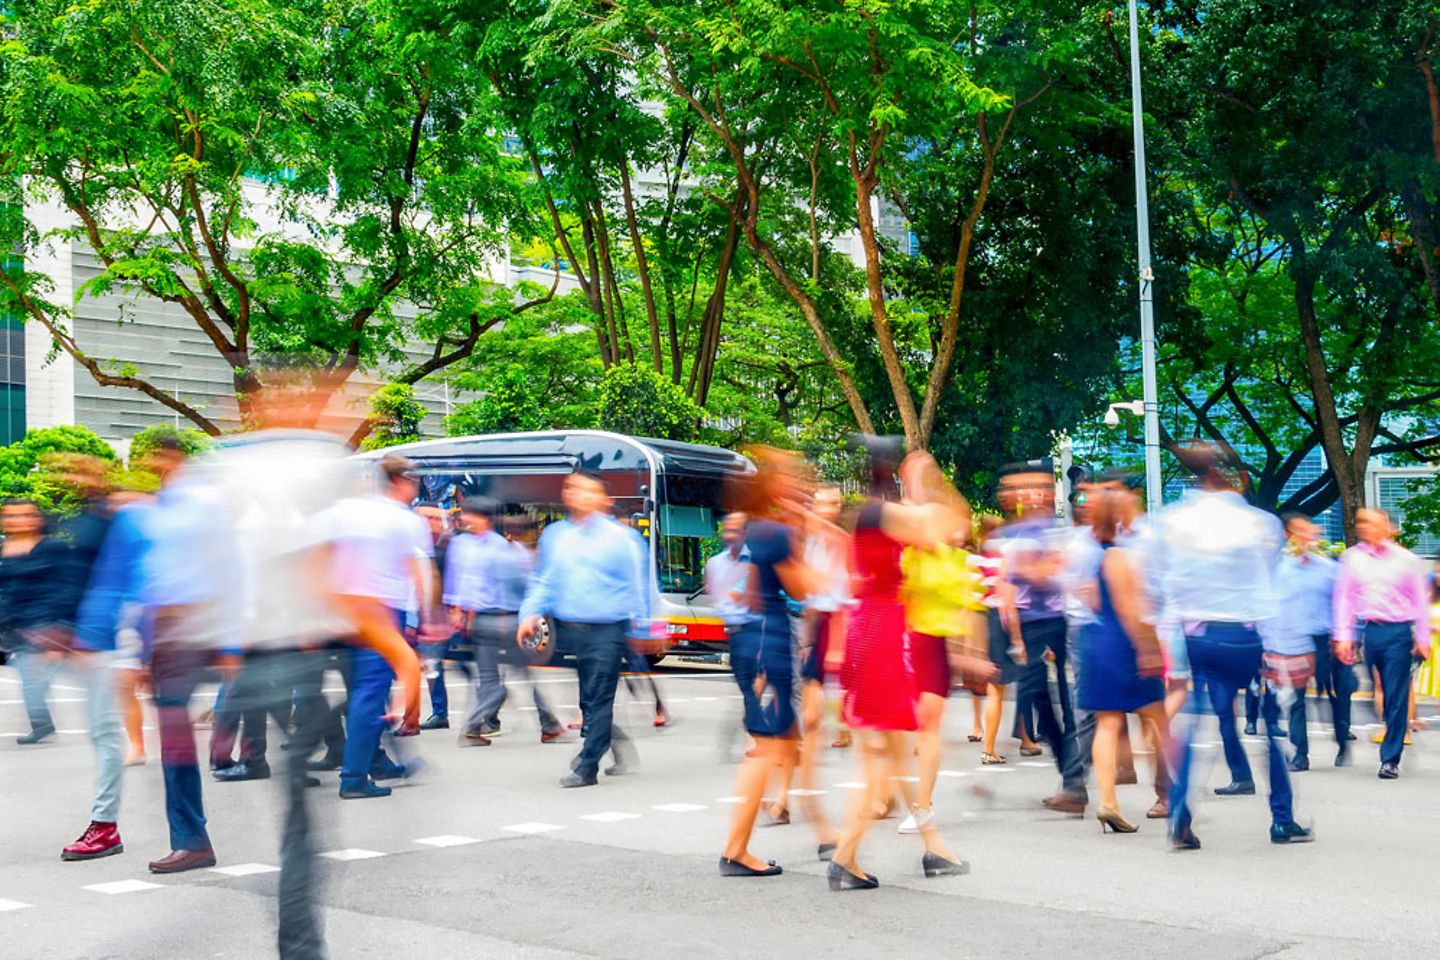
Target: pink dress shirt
1387, 584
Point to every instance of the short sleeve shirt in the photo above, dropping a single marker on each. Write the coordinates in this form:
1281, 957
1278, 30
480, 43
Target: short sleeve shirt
769, 546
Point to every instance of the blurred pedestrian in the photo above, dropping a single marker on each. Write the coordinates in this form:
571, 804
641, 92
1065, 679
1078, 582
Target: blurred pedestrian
592, 581
1215, 560
1382, 599
1120, 661
761, 649
1305, 597
877, 676
826, 554
486, 579
380, 566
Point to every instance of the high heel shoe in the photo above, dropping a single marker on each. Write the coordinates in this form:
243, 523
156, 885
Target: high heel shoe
1110, 818
935, 865
734, 868
842, 879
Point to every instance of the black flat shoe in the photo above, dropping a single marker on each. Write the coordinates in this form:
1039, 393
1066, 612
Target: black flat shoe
575, 780
842, 879
1290, 832
1184, 839
242, 771
1389, 771
326, 763
35, 736
935, 865
1237, 789
1250, 730
436, 723
1299, 765
734, 868
825, 852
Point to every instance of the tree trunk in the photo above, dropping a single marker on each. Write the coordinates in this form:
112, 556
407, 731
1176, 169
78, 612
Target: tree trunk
642, 266
609, 338
1348, 468
879, 316
703, 372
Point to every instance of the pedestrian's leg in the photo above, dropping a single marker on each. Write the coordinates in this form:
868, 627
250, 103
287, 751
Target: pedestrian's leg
225, 720
1252, 702
484, 712
94, 672
1299, 730
1105, 750
300, 934
1222, 701
176, 674
37, 672
1342, 689
127, 682
1392, 658
365, 721
1282, 801
994, 710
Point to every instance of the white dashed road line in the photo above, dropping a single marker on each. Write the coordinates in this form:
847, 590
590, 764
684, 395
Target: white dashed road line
352, 853
122, 886
245, 869
679, 807
447, 840
7, 905
610, 816
531, 828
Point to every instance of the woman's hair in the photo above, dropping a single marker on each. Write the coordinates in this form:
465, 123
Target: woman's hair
1107, 514
885, 454
758, 494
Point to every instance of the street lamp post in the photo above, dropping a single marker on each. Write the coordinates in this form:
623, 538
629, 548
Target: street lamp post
1147, 277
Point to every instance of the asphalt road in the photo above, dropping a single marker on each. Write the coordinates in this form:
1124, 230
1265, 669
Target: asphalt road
484, 856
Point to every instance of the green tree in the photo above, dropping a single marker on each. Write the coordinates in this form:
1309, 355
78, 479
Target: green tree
367, 131
636, 400
395, 417
145, 442
23, 464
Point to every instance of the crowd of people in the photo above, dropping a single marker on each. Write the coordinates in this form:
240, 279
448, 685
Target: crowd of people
277, 557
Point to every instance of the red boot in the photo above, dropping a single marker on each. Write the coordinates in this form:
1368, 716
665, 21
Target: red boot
98, 840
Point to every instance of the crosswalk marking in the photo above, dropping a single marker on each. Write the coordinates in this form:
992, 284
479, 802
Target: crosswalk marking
531, 828
122, 886
447, 840
610, 816
7, 905
679, 807
352, 853
245, 869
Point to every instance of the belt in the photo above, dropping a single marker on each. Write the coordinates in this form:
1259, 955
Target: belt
589, 625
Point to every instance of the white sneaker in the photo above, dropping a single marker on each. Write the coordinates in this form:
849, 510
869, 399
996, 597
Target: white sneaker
918, 820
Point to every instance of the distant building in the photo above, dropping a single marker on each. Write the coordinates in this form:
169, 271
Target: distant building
1389, 487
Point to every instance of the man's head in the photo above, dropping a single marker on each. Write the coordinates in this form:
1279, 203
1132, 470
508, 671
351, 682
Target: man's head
1216, 469
166, 459
584, 494
21, 518
826, 503
732, 531
1027, 491
398, 478
1373, 526
477, 514
1301, 531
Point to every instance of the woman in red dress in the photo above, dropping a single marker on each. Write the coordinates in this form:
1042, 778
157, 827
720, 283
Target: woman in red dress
876, 672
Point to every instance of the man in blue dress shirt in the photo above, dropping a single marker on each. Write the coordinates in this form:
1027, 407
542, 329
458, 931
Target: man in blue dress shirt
591, 580
1214, 562
1305, 590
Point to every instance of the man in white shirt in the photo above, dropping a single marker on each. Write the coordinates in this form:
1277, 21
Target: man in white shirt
380, 563
727, 574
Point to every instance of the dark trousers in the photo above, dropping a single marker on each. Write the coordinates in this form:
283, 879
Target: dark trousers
599, 652
241, 712
1387, 651
1223, 658
493, 636
370, 679
1335, 680
175, 671
439, 695
274, 681
1059, 732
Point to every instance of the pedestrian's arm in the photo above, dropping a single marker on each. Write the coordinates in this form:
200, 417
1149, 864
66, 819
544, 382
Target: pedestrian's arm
1347, 586
538, 595
1420, 596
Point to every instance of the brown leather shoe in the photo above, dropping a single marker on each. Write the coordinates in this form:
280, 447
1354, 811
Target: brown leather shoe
475, 739
178, 861
1126, 775
1065, 802
1160, 811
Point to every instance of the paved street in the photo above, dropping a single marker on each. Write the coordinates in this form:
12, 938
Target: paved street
484, 856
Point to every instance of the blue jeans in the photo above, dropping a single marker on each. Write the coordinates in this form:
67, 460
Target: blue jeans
1223, 658
175, 672
599, 651
1387, 651
370, 679
36, 675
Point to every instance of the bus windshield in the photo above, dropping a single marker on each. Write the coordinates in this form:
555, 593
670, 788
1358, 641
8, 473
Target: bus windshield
686, 532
